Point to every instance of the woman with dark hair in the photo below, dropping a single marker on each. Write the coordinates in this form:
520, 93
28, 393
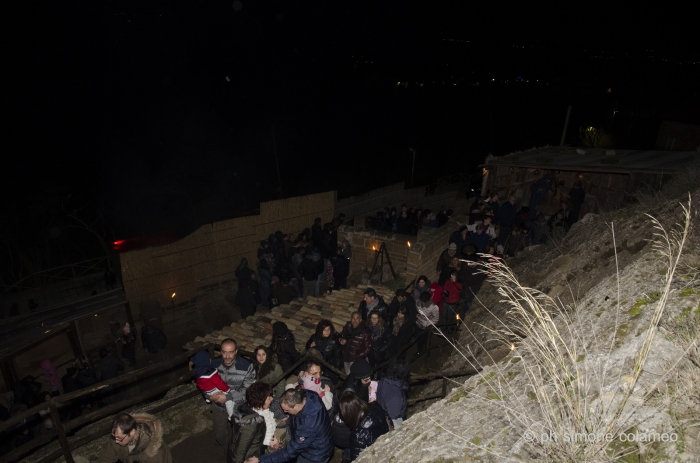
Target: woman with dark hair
392, 390
404, 324
283, 345
243, 274
249, 425
422, 285
325, 341
367, 422
381, 339
267, 369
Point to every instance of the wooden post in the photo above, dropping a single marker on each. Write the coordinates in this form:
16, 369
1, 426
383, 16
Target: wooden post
61, 433
74, 339
129, 315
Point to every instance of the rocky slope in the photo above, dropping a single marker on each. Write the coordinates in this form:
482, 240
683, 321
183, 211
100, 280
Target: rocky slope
500, 414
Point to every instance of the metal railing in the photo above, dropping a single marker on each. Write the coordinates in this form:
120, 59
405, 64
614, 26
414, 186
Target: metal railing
62, 428
56, 274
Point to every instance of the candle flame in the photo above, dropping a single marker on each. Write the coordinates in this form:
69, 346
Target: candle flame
173, 296
458, 317
409, 243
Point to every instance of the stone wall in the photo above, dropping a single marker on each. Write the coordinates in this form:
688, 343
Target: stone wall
368, 204
420, 258
211, 254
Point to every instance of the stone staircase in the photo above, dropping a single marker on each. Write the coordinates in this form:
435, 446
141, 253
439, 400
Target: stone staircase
300, 317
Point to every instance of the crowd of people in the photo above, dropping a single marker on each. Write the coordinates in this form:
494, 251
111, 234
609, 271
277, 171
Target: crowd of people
80, 374
409, 220
292, 267
259, 414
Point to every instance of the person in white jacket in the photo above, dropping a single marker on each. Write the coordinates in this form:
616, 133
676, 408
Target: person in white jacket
428, 314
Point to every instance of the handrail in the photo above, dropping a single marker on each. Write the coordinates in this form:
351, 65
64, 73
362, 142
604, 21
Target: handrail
302, 360
93, 263
121, 380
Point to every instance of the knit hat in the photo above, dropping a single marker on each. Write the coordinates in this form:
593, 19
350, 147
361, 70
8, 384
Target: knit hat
453, 246
361, 369
127, 329
279, 328
201, 363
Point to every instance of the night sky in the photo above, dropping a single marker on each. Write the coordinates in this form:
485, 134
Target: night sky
159, 116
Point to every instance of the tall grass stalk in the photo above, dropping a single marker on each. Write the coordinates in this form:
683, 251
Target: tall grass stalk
573, 396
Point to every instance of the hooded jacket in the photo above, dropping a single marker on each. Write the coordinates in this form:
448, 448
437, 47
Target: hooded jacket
248, 435
309, 435
108, 367
370, 428
50, 374
359, 342
391, 395
149, 448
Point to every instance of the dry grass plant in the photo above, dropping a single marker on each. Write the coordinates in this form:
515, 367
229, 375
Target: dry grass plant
573, 397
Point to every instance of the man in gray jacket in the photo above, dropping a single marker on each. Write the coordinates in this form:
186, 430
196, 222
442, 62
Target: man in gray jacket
238, 374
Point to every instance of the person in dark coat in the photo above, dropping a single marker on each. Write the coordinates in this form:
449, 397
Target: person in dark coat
356, 340
359, 380
372, 301
404, 324
341, 270
402, 297
108, 367
475, 210
538, 194
154, 340
479, 239
403, 223
382, 339
245, 300
309, 434
507, 213
576, 196
494, 205
393, 389
243, 274
248, 435
283, 346
128, 342
325, 341
309, 270
285, 292
459, 237
367, 423
539, 231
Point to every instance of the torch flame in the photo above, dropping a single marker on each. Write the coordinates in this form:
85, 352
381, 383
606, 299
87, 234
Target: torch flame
374, 248
173, 296
512, 347
458, 317
409, 243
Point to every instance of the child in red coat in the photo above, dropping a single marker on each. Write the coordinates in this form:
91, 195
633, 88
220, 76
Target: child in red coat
208, 379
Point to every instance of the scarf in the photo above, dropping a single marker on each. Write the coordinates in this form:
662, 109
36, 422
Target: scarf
270, 423
371, 307
397, 325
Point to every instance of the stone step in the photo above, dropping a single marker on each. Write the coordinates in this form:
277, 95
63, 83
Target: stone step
301, 318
